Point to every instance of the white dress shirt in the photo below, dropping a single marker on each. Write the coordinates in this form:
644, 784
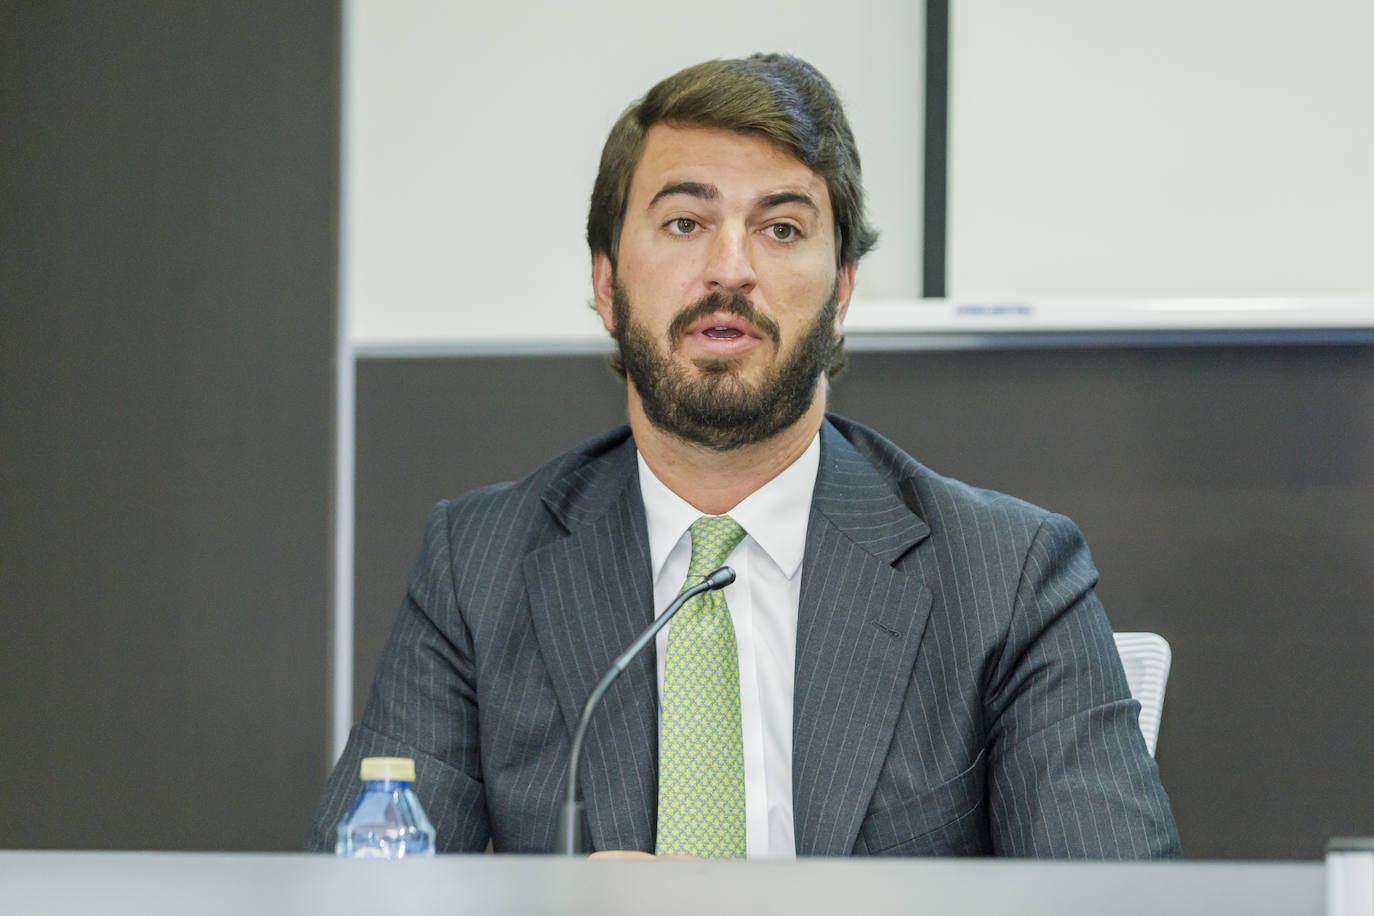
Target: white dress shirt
763, 608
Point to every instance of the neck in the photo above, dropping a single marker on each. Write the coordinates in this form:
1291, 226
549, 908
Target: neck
714, 482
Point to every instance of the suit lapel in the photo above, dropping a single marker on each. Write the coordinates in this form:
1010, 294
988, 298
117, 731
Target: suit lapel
859, 624
590, 595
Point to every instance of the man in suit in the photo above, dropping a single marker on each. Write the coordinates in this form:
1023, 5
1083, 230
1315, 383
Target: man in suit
906, 665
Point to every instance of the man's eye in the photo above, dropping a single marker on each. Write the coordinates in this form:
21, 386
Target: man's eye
683, 226
783, 232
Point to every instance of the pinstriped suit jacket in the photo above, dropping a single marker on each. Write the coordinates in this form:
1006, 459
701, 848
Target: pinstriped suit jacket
957, 689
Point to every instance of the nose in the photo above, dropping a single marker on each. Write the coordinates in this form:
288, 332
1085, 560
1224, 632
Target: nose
730, 267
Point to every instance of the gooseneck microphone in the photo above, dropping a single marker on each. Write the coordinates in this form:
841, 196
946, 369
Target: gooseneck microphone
570, 840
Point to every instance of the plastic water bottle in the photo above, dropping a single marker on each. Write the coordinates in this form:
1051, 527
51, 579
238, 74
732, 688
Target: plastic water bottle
385, 820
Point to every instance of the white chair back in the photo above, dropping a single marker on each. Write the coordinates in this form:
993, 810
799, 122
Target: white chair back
1146, 658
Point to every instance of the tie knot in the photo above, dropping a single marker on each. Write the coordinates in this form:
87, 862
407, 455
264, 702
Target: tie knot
713, 538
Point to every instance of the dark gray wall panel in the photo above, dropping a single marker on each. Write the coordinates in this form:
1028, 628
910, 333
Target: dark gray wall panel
167, 262
1228, 495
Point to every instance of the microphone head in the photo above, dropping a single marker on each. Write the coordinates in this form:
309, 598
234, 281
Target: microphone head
720, 578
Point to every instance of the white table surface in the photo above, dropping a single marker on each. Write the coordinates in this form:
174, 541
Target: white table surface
152, 883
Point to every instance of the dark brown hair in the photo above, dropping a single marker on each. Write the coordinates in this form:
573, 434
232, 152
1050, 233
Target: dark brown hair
781, 98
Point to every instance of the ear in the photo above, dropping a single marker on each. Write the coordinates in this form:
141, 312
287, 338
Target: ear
844, 289
603, 287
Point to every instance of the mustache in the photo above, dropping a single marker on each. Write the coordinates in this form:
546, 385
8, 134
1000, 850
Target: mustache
732, 304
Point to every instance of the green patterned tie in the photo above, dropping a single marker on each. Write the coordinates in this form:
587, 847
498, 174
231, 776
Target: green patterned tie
701, 770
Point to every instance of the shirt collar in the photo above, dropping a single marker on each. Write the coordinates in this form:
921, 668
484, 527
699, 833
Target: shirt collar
775, 515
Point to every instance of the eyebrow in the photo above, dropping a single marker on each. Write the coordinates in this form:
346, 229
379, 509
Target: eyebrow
690, 188
704, 191
769, 201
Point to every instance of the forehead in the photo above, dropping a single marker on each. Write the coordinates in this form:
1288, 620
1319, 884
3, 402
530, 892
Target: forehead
742, 166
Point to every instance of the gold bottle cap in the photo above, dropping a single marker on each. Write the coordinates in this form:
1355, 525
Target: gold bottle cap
394, 769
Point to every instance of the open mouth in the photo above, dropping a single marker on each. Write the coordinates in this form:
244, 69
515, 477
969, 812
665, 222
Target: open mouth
721, 326
723, 333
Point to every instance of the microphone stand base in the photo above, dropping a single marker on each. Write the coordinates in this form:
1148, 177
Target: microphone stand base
572, 839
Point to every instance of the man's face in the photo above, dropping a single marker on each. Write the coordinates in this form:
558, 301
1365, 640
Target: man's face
726, 297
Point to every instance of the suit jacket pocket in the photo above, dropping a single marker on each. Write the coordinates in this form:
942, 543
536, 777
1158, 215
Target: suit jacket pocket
927, 813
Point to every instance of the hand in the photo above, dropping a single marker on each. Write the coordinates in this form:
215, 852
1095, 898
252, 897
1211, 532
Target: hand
621, 854
636, 854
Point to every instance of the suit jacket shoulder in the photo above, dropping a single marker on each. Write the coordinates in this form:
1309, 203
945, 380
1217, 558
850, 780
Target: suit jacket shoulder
567, 490
489, 531
923, 489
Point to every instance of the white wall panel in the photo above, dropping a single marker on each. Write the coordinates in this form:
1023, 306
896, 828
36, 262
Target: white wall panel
1163, 149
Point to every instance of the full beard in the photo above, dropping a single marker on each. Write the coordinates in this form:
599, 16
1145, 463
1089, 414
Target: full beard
714, 407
